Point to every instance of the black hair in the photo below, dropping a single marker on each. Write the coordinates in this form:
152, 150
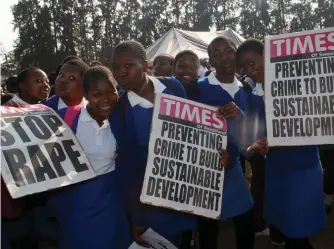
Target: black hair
58, 69
11, 81
97, 73
134, 47
167, 56
221, 39
69, 58
186, 52
79, 64
24, 73
207, 73
251, 44
99, 63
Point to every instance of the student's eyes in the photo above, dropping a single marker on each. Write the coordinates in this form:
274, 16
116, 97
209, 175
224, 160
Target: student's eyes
114, 67
251, 63
128, 65
96, 94
38, 80
229, 50
72, 78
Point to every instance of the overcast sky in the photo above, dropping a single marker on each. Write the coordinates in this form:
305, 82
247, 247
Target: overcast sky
7, 35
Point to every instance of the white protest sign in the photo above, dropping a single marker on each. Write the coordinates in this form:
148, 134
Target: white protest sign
183, 169
155, 241
39, 151
299, 88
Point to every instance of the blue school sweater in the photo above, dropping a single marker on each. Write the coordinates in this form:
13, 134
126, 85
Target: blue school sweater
134, 124
52, 102
90, 213
237, 198
293, 200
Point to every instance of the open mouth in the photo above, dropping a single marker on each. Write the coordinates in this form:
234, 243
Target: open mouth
105, 108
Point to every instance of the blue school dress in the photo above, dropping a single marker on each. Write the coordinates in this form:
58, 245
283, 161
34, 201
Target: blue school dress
237, 198
90, 213
293, 200
133, 151
52, 102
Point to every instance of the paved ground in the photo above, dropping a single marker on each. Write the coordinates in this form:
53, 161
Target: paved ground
323, 240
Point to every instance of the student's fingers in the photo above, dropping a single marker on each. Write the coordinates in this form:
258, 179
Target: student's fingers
221, 111
232, 110
13, 103
224, 158
255, 146
138, 232
264, 150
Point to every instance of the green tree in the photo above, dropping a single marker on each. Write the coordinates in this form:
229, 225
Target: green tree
224, 13
300, 12
254, 18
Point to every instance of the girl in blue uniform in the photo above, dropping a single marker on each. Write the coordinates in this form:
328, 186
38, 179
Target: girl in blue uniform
91, 214
186, 68
33, 88
163, 65
293, 201
68, 85
222, 89
129, 66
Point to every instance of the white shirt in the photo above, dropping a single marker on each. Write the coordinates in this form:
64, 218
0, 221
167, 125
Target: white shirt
249, 81
259, 90
98, 142
231, 88
202, 71
135, 99
61, 103
18, 99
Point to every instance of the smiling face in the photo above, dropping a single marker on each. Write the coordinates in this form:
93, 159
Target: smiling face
186, 69
223, 57
163, 66
128, 70
252, 63
102, 96
35, 86
69, 82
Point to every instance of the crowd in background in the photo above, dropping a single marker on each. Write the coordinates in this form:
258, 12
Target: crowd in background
286, 199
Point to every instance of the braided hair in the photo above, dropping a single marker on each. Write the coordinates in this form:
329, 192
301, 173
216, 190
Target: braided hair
133, 47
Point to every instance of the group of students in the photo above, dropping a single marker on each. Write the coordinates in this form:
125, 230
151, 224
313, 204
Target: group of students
111, 115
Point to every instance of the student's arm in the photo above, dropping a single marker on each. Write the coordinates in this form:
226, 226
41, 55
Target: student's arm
178, 88
230, 110
253, 129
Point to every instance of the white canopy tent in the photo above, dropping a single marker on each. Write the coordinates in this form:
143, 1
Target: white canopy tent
177, 40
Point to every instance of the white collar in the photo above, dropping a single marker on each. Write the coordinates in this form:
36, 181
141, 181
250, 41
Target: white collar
135, 99
214, 81
61, 103
18, 99
259, 89
86, 117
